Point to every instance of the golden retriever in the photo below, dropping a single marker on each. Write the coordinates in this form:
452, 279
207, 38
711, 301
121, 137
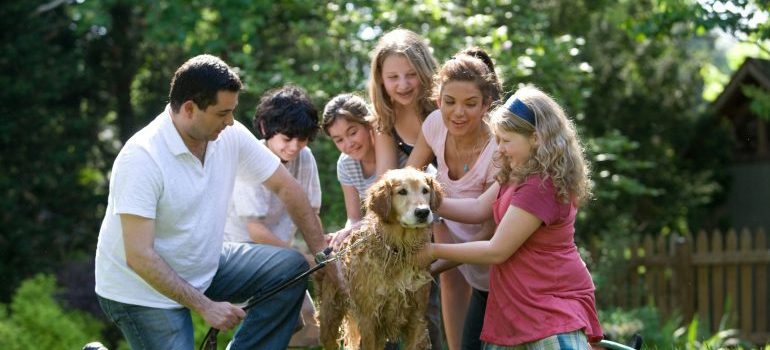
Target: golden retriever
387, 292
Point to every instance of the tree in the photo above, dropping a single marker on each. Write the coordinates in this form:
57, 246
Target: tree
83, 76
51, 182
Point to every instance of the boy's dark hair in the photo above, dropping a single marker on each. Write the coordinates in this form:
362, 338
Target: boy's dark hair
200, 79
288, 111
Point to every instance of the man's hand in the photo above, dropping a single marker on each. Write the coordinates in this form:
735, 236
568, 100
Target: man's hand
294, 198
222, 315
139, 236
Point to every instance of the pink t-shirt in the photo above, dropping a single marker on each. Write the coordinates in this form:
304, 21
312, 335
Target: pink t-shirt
471, 185
544, 288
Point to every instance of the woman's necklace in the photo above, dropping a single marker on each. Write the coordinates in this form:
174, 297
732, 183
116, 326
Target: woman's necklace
468, 157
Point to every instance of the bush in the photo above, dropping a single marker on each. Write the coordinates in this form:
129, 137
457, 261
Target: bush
34, 320
620, 325
696, 336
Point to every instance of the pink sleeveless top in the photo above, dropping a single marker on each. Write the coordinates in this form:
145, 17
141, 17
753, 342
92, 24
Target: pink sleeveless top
471, 185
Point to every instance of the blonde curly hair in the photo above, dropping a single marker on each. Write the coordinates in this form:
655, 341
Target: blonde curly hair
557, 152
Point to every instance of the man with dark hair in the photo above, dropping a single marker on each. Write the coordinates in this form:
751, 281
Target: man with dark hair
161, 253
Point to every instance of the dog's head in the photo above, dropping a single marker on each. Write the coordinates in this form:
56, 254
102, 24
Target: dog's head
405, 196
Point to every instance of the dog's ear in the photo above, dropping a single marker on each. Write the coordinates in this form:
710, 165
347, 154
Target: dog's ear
378, 199
436, 193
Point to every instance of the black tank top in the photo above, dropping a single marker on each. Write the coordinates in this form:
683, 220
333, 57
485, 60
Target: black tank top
407, 148
403, 146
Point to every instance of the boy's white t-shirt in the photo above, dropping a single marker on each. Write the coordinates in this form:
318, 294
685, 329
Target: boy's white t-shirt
252, 199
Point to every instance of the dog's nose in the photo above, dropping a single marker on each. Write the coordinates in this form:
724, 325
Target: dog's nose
422, 213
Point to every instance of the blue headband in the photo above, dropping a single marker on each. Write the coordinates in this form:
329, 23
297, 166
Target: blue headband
520, 109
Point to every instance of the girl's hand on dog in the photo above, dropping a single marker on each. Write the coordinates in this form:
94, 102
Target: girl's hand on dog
339, 237
424, 257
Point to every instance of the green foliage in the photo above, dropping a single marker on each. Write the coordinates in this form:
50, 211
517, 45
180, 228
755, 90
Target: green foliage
200, 328
52, 182
333, 206
620, 325
34, 320
80, 77
760, 101
696, 336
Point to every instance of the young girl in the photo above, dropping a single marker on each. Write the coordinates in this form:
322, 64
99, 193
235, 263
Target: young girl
286, 120
457, 136
541, 294
399, 88
345, 122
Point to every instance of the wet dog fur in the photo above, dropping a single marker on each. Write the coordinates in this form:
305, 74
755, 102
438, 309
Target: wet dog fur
387, 292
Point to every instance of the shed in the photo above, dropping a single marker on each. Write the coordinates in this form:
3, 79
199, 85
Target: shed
748, 201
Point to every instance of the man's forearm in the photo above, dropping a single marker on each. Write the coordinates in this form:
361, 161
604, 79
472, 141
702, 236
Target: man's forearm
304, 217
157, 273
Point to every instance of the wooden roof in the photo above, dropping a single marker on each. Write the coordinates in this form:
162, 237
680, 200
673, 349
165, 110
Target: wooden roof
753, 71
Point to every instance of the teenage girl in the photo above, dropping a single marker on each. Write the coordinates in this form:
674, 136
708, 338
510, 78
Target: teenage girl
400, 80
345, 122
399, 88
541, 294
457, 136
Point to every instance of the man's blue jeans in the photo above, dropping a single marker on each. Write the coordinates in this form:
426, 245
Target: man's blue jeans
245, 270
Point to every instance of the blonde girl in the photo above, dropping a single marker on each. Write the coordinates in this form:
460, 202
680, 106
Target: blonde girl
457, 136
399, 88
401, 73
541, 294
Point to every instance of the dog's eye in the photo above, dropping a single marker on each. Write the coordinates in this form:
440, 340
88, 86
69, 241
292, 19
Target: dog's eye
402, 192
425, 190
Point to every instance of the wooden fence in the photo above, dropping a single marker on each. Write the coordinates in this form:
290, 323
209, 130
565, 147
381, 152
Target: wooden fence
710, 275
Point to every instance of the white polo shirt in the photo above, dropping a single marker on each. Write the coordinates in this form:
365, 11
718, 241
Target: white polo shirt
156, 176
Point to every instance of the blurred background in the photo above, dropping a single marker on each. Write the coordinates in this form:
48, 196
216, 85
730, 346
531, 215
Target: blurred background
671, 97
